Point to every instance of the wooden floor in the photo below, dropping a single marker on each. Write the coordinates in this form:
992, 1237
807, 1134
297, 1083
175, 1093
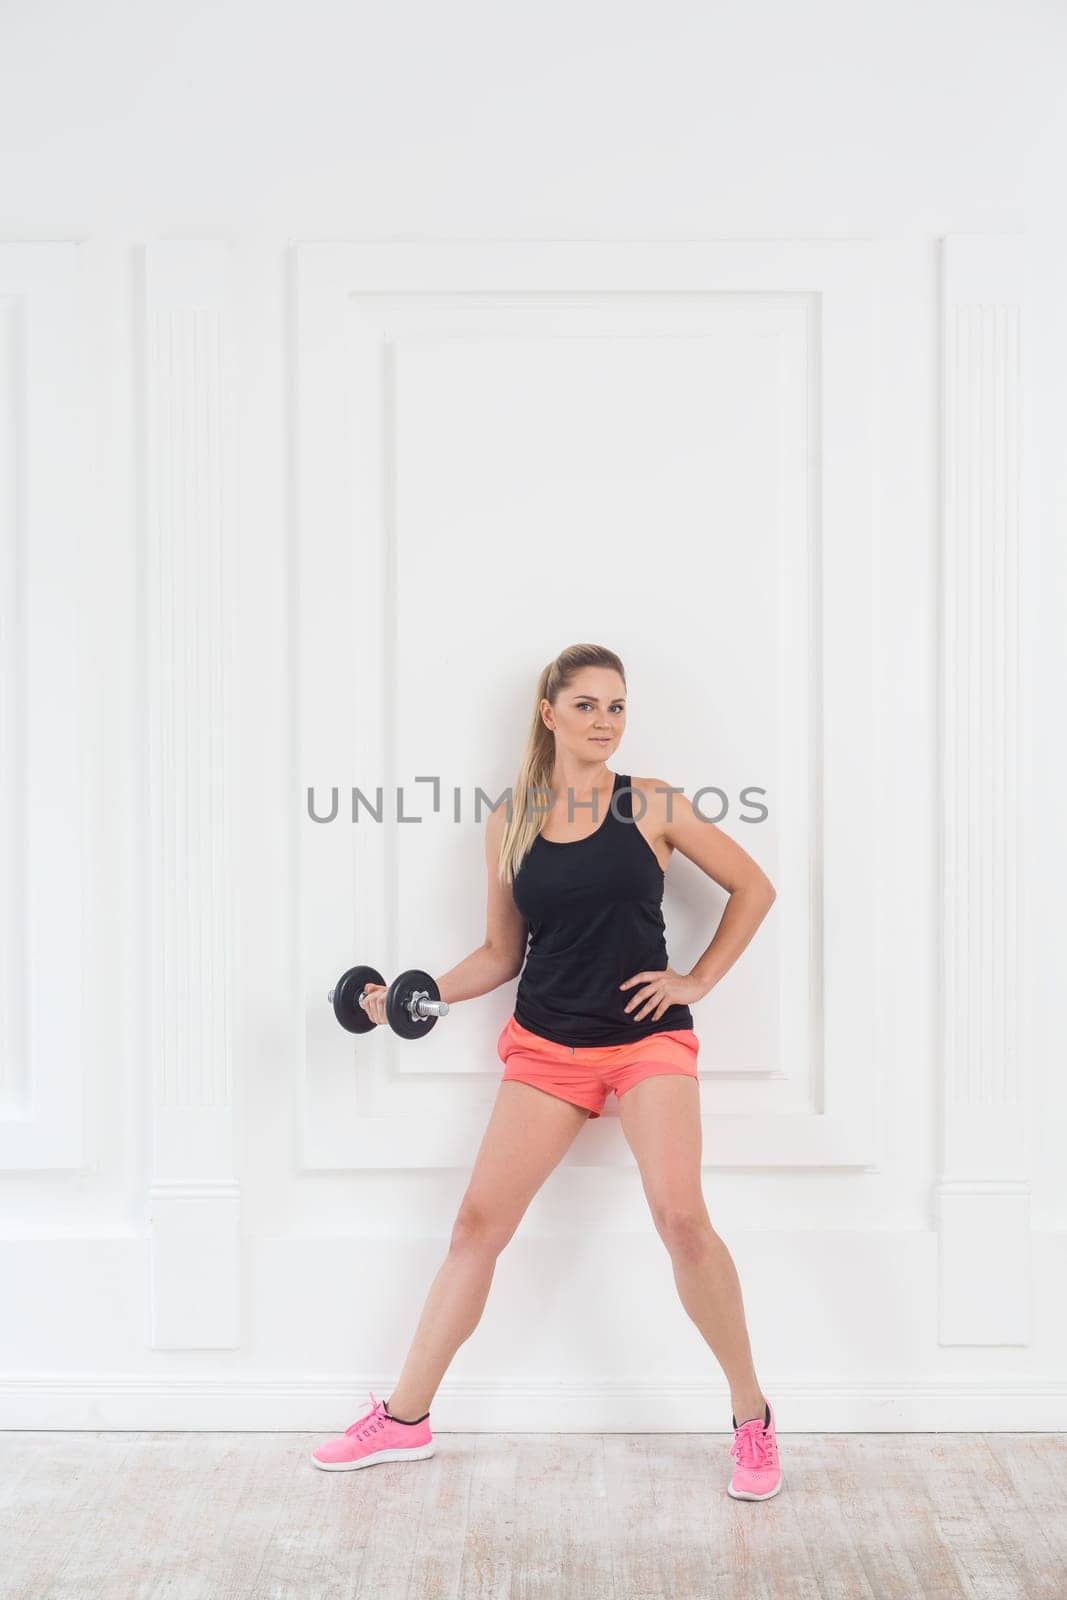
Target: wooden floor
566, 1516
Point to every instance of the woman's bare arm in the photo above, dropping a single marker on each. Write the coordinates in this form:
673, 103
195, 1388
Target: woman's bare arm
500, 957
726, 862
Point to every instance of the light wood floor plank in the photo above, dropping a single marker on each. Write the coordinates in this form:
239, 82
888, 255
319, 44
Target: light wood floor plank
539, 1520
954, 1467
894, 1464
1036, 1557
829, 1537
863, 1476
290, 1557
635, 1561
69, 1491
691, 1553
585, 1527
438, 1555
1028, 1481
487, 1567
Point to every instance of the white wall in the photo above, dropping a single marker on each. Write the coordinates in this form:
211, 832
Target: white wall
286, 375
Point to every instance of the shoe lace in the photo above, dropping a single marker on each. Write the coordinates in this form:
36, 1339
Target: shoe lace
752, 1445
368, 1419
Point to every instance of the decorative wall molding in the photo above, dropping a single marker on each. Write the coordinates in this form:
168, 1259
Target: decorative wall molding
194, 1198
984, 1190
43, 495
357, 309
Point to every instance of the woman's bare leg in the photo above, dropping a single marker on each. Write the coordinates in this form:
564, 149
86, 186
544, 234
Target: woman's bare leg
661, 1122
528, 1133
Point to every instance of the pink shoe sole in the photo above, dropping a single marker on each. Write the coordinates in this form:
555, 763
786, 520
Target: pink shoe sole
747, 1494
414, 1453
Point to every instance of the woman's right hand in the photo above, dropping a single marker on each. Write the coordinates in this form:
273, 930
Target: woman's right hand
374, 1001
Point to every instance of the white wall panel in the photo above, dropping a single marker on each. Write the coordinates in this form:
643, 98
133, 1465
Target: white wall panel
43, 488
496, 445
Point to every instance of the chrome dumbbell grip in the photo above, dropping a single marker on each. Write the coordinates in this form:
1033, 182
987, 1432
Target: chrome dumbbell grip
420, 1005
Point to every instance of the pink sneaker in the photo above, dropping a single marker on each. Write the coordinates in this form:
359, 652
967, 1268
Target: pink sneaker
375, 1436
757, 1475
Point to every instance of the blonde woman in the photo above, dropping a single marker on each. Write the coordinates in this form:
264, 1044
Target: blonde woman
577, 868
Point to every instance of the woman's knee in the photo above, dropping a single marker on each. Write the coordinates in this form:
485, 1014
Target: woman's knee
477, 1227
685, 1229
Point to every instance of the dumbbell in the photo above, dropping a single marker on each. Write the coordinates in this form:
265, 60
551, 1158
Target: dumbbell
412, 1003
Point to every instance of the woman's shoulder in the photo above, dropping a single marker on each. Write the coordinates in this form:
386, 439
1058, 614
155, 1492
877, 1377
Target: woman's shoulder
659, 803
656, 792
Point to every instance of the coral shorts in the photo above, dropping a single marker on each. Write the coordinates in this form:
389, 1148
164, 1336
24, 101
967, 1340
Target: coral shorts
585, 1074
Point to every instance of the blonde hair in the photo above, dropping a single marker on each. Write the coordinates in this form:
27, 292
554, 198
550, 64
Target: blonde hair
539, 756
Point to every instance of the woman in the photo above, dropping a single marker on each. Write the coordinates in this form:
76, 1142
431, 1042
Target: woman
597, 1008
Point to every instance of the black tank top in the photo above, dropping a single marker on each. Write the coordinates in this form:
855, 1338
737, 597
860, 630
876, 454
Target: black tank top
593, 906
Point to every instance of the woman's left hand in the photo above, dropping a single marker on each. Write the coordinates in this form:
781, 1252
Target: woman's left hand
661, 989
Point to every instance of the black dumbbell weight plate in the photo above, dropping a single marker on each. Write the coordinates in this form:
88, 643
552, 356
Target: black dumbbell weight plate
347, 990
396, 1001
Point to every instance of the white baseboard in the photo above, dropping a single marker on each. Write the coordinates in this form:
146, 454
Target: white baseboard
292, 1403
